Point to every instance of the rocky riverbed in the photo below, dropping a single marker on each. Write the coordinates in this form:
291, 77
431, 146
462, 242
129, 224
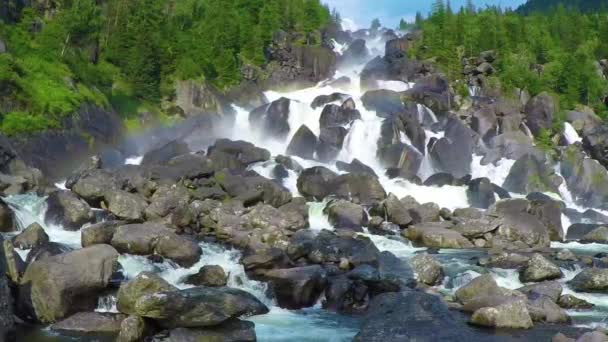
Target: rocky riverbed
374, 206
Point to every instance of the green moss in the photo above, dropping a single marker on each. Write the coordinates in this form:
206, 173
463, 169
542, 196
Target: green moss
15, 123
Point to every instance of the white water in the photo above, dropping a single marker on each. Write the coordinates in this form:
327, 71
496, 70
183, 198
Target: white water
570, 134
134, 160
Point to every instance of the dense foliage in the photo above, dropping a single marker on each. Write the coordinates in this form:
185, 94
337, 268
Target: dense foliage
546, 5
129, 52
557, 51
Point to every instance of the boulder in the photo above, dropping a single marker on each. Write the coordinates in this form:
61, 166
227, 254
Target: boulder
598, 235
568, 301
303, 144
93, 184
314, 183
356, 166
433, 91
435, 236
539, 112
529, 174
587, 179
58, 286
89, 323
346, 215
132, 329
412, 316
401, 157
11, 263
322, 100
231, 331
150, 238
453, 152
550, 289
296, 288
7, 218
480, 193
32, 236
512, 314
356, 52
427, 269
338, 116
590, 280
198, 306
126, 206
394, 211
228, 154
578, 230
99, 233
272, 119
66, 209
539, 269
208, 275
165, 153
143, 284
361, 188
549, 212
385, 103
45, 251
543, 309
167, 199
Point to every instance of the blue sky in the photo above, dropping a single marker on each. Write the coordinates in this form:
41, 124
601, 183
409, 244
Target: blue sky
391, 11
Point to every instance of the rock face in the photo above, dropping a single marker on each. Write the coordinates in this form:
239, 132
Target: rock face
297, 288
512, 314
55, 287
198, 306
67, 210
539, 269
88, 323
591, 280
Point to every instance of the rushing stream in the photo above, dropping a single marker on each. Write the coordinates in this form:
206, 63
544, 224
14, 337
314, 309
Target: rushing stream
315, 324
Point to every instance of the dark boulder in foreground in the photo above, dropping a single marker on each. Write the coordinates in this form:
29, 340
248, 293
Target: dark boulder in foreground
231, 331
303, 143
412, 316
89, 323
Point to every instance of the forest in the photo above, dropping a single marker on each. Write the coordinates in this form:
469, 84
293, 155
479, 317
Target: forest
129, 53
557, 49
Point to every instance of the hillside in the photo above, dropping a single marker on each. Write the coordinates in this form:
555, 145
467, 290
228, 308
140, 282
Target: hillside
546, 5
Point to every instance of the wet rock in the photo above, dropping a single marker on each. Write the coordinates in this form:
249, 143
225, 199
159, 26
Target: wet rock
228, 154
251, 189
126, 206
143, 284
529, 174
432, 235
7, 218
538, 269
92, 185
434, 92
132, 329
45, 251
346, 215
7, 320
453, 153
55, 287
356, 52
517, 225
401, 157
549, 289
544, 309
14, 266
150, 238
593, 336
568, 301
479, 289
386, 103
297, 288
265, 259
272, 119
539, 112
356, 166
334, 115
167, 199
505, 260
598, 235
66, 209
329, 247
99, 233
408, 316
548, 211
578, 230
565, 255
512, 314
165, 153
89, 323
360, 188
322, 100
32, 236
590, 280
480, 193
427, 268
198, 306
315, 182
208, 275
303, 143
587, 180
394, 211
439, 180
230, 331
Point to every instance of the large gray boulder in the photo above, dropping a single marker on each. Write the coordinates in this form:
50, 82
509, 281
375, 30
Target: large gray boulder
55, 287
428, 270
511, 314
99, 233
303, 144
126, 206
346, 215
590, 280
539, 112
586, 178
296, 288
66, 209
166, 199
539, 269
143, 284
453, 153
32, 236
529, 174
92, 185
89, 323
436, 236
230, 331
272, 119
198, 306
235, 154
